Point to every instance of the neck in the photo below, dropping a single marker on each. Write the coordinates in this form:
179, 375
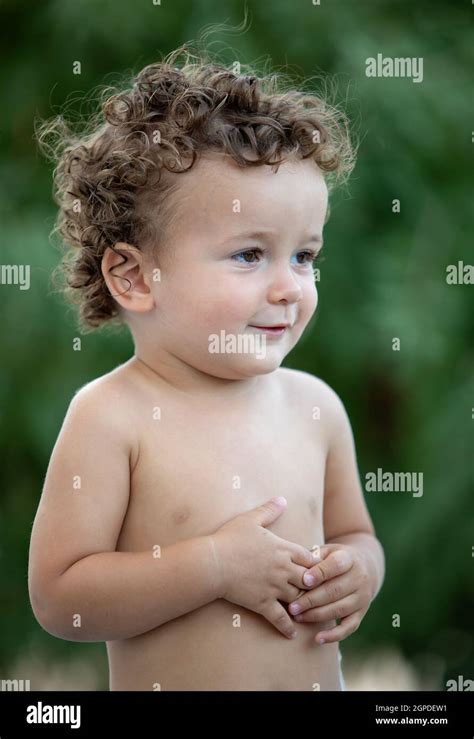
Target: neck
188, 380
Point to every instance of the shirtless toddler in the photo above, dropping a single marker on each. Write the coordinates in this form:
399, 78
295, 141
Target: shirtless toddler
195, 212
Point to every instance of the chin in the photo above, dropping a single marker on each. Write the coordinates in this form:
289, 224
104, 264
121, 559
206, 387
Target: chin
264, 366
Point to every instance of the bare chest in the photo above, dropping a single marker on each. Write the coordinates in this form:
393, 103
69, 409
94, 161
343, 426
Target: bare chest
198, 469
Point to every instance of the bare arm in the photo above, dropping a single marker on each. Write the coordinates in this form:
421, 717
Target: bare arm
118, 595
346, 517
80, 587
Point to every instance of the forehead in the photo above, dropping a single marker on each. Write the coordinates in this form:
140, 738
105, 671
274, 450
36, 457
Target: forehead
217, 192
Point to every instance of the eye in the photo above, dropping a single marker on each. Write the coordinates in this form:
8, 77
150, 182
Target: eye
309, 256
246, 253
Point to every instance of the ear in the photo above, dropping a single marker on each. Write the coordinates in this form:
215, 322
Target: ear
126, 274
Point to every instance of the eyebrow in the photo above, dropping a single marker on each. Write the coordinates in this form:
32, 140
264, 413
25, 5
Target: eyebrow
268, 236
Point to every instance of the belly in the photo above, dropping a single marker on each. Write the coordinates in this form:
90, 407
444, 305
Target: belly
224, 647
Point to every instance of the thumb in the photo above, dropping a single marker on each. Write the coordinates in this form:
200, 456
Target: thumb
269, 511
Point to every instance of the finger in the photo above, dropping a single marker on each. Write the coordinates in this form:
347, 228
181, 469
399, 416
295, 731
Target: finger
280, 619
296, 579
347, 627
336, 563
322, 550
327, 593
302, 556
267, 513
339, 609
290, 594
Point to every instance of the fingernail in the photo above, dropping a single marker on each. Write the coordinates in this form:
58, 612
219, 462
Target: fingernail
294, 635
295, 608
308, 579
321, 641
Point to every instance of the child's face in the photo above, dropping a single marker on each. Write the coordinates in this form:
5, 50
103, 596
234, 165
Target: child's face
207, 287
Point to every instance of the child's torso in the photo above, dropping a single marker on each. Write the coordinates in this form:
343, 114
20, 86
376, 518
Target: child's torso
198, 467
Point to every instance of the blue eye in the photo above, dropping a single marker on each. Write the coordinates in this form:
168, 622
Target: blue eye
309, 256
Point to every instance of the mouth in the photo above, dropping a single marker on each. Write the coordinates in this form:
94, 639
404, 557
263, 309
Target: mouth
277, 330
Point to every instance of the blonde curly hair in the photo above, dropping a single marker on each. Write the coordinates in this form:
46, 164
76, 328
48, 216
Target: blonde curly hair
114, 181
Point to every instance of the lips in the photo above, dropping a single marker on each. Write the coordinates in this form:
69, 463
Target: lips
276, 326
275, 331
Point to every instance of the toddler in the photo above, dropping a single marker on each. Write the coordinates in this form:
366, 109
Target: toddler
202, 512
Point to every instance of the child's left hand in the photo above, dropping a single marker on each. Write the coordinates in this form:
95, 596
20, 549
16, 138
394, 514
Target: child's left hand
346, 594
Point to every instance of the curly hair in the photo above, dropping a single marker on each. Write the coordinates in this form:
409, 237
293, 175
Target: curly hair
107, 177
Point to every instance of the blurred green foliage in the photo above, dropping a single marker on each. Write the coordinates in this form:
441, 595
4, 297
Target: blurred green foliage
384, 276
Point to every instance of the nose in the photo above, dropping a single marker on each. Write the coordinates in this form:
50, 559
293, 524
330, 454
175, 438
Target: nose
284, 286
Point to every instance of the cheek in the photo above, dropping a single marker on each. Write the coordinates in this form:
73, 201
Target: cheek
310, 301
218, 312
225, 303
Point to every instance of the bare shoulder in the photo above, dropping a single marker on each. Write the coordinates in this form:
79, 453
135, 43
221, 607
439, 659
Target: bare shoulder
314, 396
306, 386
107, 402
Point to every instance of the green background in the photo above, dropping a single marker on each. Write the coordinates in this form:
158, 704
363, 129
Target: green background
383, 276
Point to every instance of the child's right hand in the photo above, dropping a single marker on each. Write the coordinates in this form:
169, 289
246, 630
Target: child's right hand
258, 568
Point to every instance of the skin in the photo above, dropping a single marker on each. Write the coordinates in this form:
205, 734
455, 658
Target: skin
210, 279
346, 595
203, 290
207, 286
